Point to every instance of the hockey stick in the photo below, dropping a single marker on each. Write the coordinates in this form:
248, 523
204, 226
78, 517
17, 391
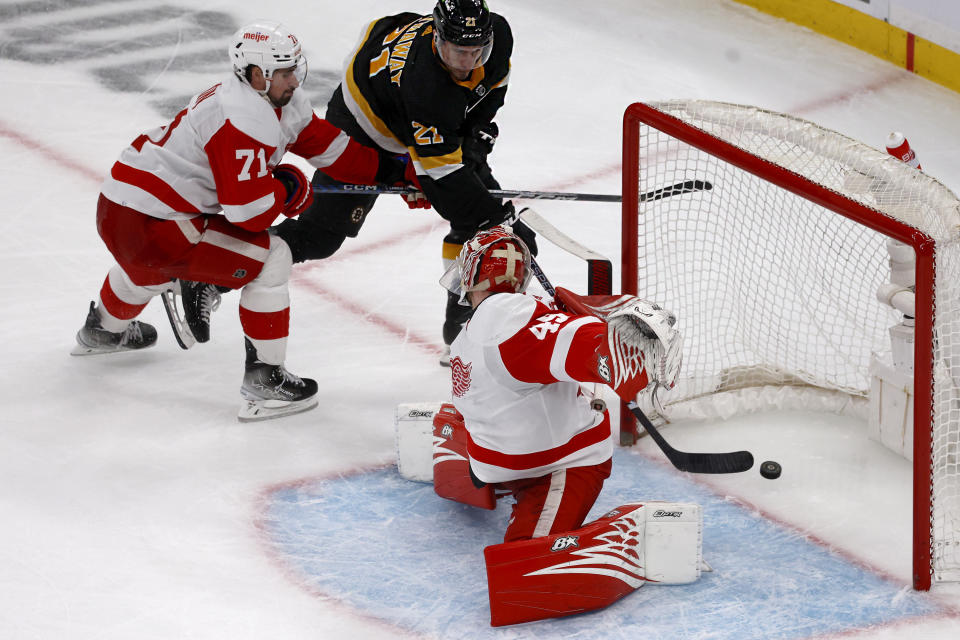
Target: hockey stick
599, 269
542, 278
732, 462
665, 192
687, 186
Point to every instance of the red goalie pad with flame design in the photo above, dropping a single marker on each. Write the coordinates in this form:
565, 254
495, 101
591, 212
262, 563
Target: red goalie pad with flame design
568, 573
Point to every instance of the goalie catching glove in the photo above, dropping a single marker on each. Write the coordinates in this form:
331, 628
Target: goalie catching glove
643, 330
643, 344
297, 187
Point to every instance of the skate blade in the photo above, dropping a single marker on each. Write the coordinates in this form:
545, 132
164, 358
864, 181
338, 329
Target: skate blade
181, 330
84, 350
257, 410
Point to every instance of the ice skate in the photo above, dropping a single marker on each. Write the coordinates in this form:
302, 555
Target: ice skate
270, 391
190, 319
93, 339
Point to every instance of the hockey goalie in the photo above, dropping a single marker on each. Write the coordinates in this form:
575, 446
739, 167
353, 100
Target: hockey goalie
519, 425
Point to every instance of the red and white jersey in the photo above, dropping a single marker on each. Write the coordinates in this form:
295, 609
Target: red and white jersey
218, 154
515, 368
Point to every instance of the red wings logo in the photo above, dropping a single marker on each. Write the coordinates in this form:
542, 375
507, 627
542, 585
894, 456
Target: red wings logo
460, 373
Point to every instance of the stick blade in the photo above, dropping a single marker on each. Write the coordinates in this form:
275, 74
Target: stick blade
732, 462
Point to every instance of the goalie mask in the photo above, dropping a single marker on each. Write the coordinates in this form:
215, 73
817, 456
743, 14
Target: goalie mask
269, 45
494, 260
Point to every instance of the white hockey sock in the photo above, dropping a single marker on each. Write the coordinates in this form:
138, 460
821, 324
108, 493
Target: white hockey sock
265, 304
126, 293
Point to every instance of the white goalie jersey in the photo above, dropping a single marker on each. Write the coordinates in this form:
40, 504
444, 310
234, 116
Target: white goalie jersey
516, 370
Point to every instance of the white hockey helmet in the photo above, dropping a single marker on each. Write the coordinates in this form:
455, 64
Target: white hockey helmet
269, 45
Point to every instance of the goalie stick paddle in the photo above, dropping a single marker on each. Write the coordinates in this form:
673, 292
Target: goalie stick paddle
687, 186
732, 462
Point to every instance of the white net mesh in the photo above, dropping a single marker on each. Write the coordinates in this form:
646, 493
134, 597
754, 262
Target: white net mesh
771, 288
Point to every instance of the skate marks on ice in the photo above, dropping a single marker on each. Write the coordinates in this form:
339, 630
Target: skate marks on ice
166, 51
394, 550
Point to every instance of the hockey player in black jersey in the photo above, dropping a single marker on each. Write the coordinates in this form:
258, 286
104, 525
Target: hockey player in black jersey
428, 87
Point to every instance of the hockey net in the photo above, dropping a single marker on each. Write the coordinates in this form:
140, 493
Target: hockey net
774, 274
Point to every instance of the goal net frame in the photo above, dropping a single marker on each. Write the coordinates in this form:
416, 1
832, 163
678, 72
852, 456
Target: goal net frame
662, 119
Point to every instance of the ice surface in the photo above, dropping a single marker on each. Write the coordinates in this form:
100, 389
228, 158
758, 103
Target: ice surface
135, 505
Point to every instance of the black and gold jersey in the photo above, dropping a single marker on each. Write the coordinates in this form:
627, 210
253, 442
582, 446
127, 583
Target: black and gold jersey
405, 101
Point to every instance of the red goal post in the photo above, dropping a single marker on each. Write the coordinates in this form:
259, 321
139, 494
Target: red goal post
774, 276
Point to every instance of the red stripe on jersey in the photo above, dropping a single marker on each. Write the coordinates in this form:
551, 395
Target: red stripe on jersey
265, 326
261, 222
153, 185
167, 131
239, 166
117, 307
357, 164
588, 345
528, 353
517, 462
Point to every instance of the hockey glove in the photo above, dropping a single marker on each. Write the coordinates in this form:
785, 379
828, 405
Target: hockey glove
414, 200
643, 329
643, 346
486, 136
299, 191
526, 234
506, 214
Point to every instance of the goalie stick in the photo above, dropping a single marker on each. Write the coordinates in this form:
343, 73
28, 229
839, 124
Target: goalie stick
688, 186
732, 462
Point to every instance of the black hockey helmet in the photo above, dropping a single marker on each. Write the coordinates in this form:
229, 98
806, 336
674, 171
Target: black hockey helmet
465, 23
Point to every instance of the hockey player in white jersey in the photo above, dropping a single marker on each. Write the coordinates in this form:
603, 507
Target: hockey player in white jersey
193, 200
529, 430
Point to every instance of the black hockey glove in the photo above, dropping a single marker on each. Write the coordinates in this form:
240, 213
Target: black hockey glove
478, 144
508, 215
486, 136
526, 234
391, 169
505, 215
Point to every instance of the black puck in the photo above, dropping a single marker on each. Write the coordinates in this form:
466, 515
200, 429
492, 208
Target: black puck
770, 470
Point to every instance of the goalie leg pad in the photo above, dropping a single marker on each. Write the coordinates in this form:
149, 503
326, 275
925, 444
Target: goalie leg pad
451, 465
592, 567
